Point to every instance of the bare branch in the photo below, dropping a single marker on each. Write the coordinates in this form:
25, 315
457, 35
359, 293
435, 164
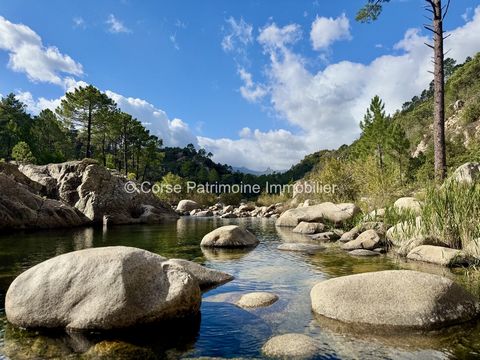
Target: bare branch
446, 37
447, 7
430, 46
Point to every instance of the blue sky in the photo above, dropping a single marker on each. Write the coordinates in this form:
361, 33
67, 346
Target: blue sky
259, 83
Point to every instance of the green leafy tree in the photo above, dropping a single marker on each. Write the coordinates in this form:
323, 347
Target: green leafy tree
398, 146
82, 109
52, 141
15, 124
21, 152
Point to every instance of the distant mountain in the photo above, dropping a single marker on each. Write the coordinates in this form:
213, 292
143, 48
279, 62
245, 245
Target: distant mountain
245, 170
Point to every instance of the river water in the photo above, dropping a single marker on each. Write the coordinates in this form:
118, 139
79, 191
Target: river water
223, 329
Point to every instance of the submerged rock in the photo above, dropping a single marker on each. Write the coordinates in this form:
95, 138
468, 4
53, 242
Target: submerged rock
438, 255
102, 289
325, 212
230, 236
363, 252
400, 298
257, 299
326, 236
307, 248
291, 346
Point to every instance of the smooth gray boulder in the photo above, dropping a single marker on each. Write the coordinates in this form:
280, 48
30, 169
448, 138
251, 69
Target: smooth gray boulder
207, 278
325, 212
300, 247
309, 228
400, 298
291, 346
368, 240
257, 299
229, 236
352, 234
326, 236
467, 173
438, 255
186, 205
102, 289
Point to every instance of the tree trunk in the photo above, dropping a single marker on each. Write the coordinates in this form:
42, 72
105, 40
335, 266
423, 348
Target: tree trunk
125, 158
88, 153
439, 93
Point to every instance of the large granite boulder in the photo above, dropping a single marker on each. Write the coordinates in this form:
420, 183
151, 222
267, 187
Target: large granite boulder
229, 236
408, 204
309, 228
102, 289
438, 255
98, 192
400, 298
22, 207
187, 206
325, 212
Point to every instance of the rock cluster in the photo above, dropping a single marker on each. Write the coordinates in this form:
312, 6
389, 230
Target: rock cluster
188, 207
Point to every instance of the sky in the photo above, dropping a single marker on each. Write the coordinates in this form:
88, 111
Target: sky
258, 83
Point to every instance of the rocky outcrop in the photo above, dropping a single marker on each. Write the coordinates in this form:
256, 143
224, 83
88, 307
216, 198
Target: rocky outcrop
257, 299
379, 227
102, 289
187, 206
22, 206
394, 298
230, 236
325, 212
291, 346
98, 193
438, 255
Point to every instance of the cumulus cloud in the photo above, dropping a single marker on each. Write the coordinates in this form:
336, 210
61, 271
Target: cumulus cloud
27, 54
115, 26
325, 31
327, 105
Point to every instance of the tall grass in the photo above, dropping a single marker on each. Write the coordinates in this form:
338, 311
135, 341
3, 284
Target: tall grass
451, 213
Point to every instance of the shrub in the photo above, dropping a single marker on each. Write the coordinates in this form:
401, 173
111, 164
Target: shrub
266, 199
22, 153
471, 112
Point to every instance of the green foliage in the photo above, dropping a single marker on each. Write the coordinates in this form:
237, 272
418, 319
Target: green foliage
168, 188
266, 199
230, 198
370, 11
21, 152
471, 112
448, 214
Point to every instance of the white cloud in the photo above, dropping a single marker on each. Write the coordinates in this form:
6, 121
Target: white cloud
27, 54
79, 22
238, 35
173, 40
173, 132
326, 106
115, 26
325, 31
251, 91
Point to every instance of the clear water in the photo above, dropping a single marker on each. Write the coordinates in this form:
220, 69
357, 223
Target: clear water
225, 330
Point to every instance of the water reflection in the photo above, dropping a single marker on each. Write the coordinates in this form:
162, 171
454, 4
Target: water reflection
226, 330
